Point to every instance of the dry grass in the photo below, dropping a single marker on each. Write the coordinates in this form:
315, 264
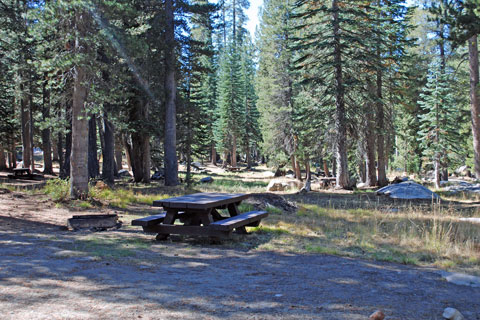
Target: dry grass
415, 236
355, 225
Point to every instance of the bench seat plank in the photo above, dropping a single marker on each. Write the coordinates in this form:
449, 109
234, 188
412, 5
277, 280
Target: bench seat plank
149, 221
239, 220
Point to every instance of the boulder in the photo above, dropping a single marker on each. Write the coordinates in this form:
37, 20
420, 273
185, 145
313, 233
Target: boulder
101, 185
282, 185
290, 176
276, 186
452, 314
124, 173
407, 190
377, 315
280, 172
463, 171
206, 180
158, 175
399, 180
361, 185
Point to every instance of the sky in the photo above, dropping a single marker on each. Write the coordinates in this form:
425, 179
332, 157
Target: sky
252, 14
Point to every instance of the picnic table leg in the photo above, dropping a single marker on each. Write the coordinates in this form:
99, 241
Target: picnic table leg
216, 216
169, 219
206, 217
233, 210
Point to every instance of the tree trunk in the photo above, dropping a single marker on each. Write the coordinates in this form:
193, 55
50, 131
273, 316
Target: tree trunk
3, 162
371, 171
101, 132
30, 110
292, 159
26, 135
93, 166
54, 145
128, 152
474, 101
298, 172
437, 169
108, 151
46, 141
325, 168
13, 156
170, 144
362, 170
382, 175
340, 118
214, 154
79, 155
334, 166
248, 155
118, 153
140, 156
234, 150
307, 169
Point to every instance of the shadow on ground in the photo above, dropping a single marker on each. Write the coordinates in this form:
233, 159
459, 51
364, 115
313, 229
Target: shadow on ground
49, 272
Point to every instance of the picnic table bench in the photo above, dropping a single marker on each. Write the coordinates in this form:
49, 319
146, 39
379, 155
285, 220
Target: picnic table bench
199, 215
19, 173
234, 169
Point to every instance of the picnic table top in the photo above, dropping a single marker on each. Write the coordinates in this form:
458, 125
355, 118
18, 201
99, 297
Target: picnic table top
200, 200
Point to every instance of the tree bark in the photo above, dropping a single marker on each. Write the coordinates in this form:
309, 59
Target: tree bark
298, 172
108, 151
381, 163
371, 171
93, 166
474, 101
128, 152
342, 178
214, 154
325, 168
26, 135
118, 153
54, 145
3, 163
140, 149
47, 146
234, 150
170, 144
79, 155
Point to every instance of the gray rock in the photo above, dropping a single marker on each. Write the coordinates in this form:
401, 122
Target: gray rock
456, 186
124, 173
407, 190
206, 180
158, 175
276, 186
461, 279
452, 314
463, 170
361, 185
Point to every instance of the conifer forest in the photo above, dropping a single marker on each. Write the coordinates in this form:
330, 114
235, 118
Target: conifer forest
356, 88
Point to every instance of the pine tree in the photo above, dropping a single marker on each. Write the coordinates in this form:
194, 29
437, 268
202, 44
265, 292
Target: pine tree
230, 123
438, 129
274, 82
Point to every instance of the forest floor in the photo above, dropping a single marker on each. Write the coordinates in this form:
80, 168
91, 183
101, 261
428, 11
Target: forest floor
315, 257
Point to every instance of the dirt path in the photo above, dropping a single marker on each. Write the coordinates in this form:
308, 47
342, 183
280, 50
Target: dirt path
50, 273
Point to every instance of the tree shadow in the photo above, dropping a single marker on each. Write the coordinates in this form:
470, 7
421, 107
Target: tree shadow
43, 267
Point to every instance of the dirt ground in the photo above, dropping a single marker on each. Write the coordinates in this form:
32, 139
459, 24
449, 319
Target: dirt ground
47, 272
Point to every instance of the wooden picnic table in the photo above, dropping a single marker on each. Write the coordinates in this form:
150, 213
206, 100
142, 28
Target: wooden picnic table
20, 173
200, 217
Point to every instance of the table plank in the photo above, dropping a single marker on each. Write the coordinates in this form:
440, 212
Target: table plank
200, 200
